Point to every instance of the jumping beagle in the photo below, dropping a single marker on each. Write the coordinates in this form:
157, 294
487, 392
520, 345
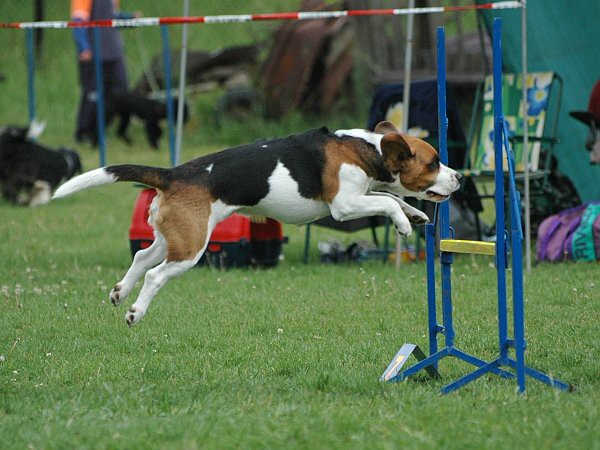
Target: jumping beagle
298, 179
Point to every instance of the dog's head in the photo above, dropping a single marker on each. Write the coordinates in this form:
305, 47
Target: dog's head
14, 133
417, 165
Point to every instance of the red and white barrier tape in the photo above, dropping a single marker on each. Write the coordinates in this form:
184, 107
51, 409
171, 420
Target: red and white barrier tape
153, 21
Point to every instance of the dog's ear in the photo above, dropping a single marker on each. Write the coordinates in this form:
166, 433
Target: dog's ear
396, 151
35, 129
385, 127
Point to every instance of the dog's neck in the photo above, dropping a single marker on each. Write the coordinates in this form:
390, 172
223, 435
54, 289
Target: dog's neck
70, 160
369, 136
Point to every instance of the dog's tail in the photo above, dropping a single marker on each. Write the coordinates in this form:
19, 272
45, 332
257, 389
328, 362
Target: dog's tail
151, 176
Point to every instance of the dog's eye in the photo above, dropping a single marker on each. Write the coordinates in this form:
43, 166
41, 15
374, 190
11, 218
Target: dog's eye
434, 164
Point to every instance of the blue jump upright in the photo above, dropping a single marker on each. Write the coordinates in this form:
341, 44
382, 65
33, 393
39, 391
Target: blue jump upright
512, 238
100, 116
30, 76
166, 49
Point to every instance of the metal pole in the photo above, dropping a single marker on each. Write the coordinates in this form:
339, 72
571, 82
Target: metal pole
167, 71
431, 294
239, 18
499, 195
446, 258
442, 125
517, 271
181, 97
525, 136
30, 75
406, 101
99, 97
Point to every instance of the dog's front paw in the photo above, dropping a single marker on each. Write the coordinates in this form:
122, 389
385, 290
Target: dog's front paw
418, 217
403, 227
134, 315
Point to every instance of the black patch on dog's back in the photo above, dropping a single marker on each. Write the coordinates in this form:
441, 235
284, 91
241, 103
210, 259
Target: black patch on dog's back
239, 175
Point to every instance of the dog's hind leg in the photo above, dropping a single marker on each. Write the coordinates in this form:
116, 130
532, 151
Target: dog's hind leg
154, 280
142, 261
186, 221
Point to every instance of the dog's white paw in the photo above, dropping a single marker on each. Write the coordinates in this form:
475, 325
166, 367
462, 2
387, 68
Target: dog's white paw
418, 217
134, 315
117, 295
403, 227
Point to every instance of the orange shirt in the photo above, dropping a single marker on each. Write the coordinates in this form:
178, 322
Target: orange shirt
82, 9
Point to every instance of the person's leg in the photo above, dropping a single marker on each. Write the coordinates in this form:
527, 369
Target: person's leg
86, 116
115, 77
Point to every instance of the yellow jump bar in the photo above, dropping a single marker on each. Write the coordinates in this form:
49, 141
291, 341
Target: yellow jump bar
471, 247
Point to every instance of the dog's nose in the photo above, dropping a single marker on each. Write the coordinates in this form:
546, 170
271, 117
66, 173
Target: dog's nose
460, 178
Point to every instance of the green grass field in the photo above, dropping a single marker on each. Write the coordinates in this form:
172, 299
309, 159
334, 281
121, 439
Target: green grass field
283, 358
288, 357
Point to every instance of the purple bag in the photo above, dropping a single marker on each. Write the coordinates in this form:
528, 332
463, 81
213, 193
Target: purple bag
555, 234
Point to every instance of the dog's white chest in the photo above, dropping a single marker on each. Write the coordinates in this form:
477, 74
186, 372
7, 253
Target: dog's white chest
284, 202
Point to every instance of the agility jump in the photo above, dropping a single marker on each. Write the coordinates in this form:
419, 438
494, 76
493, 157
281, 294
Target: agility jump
511, 241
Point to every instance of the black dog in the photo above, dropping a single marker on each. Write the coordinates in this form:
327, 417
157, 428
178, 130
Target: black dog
29, 172
150, 111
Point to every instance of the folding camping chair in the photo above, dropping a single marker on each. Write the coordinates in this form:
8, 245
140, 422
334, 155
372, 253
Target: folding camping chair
544, 94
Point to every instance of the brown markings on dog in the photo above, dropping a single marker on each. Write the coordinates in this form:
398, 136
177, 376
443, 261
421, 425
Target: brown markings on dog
395, 151
182, 218
409, 157
413, 159
338, 153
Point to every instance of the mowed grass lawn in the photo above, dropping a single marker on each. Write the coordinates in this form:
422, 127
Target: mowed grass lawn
282, 358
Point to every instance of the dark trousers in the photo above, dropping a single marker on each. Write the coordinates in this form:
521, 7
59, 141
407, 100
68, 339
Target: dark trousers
115, 82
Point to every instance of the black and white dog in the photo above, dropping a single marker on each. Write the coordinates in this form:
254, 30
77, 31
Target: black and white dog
29, 172
150, 111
